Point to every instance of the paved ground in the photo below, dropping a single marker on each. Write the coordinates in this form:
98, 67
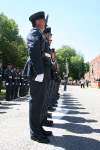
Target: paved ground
77, 123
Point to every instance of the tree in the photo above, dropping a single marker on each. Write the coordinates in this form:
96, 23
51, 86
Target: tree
21, 53
87, 67
12, 46
64, 54
77, 67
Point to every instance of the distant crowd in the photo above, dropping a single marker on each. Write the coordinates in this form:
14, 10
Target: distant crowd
14, 82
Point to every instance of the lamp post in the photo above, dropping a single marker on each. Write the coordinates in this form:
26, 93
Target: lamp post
66, 75
67, 68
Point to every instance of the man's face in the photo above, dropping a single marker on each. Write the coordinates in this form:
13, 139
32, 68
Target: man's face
40, 23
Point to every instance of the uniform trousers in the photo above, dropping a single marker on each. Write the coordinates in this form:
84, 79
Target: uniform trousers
37, 92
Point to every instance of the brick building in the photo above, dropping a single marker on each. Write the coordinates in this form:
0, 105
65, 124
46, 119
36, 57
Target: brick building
94, 74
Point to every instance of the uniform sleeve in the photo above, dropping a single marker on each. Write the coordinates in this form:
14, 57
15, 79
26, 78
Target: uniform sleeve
35, 51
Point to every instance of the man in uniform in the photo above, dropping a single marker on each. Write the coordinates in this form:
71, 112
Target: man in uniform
9, 81
14, 77
16, 80
36, 70
52, 82
47, 60
22, 84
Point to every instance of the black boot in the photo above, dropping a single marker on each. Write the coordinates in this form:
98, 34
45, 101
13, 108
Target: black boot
46, 133
48, 123
40, 139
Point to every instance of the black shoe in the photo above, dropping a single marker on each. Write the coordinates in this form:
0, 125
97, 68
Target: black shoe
51, 109
46, 133
8, 99
55, 105
40, 139
48, 123
57, 96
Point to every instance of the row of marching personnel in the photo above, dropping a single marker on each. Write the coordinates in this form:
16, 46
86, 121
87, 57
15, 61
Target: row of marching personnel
15, 84
42, 70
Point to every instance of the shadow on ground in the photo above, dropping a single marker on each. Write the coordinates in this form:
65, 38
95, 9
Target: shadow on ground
77, 128
69, 142
6, 106
2, 112
76, 112
75, 125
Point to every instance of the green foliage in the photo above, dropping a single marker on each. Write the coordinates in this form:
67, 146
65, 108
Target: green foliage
77, 67
64, 54
87, 67
12, 46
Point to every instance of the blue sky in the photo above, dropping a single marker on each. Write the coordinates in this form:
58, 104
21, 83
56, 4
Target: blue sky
74, 22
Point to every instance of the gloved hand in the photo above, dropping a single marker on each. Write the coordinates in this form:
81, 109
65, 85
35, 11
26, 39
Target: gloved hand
48, 55
39, 78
